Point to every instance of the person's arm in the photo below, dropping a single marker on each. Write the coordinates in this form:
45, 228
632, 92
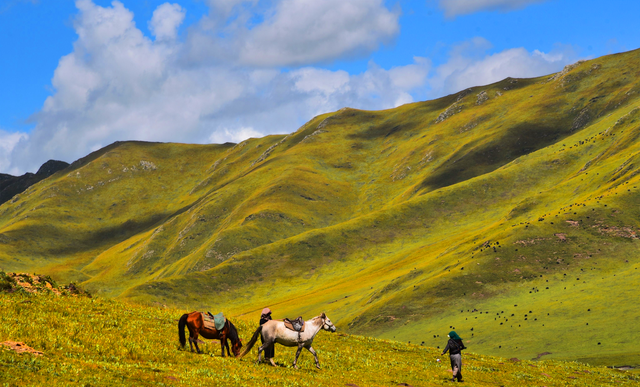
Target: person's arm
446, 348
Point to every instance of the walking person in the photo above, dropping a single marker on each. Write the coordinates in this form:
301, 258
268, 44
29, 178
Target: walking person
455, 346
269, 353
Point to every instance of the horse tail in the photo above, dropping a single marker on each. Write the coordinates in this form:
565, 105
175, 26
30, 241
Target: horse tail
181, 324
251, 342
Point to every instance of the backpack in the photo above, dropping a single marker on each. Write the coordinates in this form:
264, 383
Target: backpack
459, 345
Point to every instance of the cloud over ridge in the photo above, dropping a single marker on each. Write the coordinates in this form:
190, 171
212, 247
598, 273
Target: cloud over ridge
118, 84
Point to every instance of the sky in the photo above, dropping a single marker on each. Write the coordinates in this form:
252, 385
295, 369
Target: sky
77, 76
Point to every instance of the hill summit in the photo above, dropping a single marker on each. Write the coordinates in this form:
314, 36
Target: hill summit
507, 212
13, 185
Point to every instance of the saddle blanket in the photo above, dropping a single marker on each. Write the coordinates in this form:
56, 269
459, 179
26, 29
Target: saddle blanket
214, 322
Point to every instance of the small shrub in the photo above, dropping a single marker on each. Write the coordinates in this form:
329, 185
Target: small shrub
6, 282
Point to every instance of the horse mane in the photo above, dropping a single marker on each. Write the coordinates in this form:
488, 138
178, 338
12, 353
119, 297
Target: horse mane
233, 332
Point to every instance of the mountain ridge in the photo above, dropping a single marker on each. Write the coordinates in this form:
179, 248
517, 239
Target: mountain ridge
385, 219
13, 185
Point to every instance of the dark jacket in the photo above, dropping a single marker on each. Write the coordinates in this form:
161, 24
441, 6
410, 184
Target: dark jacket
264, 318
454, 347
270, 352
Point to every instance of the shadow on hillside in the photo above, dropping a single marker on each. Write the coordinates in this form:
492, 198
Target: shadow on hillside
83, 241
385, 128
467, 163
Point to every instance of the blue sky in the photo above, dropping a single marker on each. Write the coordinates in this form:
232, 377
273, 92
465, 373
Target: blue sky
76, 76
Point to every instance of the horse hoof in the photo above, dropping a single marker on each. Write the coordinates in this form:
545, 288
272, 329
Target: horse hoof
318, 367
296, 366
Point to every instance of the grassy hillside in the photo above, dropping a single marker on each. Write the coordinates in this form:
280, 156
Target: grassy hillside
102, 342
515, 201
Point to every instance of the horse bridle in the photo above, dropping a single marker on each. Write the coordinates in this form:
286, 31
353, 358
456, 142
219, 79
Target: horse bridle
324, 322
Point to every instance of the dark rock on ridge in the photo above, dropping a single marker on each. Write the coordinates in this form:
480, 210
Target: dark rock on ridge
10, 185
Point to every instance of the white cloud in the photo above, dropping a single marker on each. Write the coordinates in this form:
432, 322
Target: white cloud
454, 8
273, 33
235, 135
410, 76
376, 88
166, 20
8, 141
118, 84
301, 32
469, 65
322, 81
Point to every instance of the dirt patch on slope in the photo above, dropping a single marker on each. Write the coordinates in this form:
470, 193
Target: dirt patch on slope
19, 347
623, 232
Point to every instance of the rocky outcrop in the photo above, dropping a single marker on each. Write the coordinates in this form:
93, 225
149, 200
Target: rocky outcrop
455, 107
482, 97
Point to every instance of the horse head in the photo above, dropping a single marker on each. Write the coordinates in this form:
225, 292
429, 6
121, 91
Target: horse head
235, 347
236, 341
327, 324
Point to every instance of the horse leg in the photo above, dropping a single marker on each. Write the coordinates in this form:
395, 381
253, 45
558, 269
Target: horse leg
226, 344
190, 343
222, 341
260, 349
295, 361
313, 352
195, 342
190, 337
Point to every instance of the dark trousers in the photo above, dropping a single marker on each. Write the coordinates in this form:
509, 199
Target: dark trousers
269, 353
456, 366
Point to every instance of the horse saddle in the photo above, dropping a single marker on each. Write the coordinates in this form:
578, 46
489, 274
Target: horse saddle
295, 325
214, 321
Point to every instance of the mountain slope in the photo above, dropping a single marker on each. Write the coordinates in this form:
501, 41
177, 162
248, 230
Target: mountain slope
398, 223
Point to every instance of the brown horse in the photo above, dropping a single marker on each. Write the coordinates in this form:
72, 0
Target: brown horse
195, 324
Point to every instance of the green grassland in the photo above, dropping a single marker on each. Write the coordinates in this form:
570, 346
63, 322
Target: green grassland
104, 342
505, 200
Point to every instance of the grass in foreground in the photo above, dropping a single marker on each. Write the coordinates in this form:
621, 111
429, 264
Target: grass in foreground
101, 342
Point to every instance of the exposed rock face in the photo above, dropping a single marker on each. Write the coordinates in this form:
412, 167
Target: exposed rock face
483, 96
455, 107
565, 70
13, 185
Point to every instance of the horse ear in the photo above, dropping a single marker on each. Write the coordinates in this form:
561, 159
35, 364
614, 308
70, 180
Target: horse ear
323, 315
